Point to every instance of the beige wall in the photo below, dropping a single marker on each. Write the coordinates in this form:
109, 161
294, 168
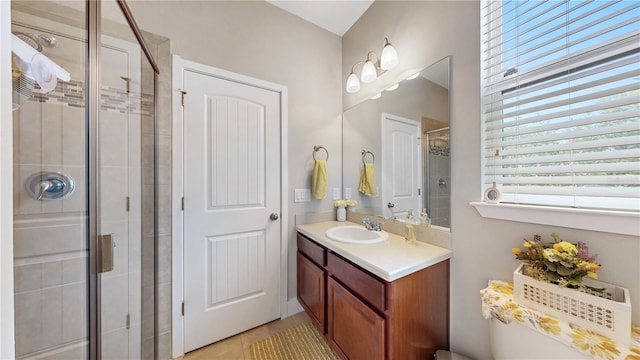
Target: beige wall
424, 32
257, 39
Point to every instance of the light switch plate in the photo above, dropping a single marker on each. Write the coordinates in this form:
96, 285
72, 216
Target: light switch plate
301, 195
347, 193
336, 193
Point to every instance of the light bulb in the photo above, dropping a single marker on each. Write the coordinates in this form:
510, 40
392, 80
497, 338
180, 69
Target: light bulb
389, 56
392, 87
376, 96
414, 76
353, 84
369, 73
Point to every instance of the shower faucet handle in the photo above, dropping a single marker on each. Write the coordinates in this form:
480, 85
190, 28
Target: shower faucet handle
42, 188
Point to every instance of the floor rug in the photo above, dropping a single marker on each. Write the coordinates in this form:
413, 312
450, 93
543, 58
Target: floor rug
302, 341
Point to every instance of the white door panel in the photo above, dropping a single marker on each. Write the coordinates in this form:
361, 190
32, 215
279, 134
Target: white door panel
401, 165
231, 186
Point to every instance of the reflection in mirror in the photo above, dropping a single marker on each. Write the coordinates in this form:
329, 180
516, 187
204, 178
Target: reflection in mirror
399, 145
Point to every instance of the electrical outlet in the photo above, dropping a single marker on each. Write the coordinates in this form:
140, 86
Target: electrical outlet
336, 193
301, 195
347, 193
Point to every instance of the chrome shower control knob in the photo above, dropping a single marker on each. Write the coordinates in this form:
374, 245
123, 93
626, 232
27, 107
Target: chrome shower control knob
49, 185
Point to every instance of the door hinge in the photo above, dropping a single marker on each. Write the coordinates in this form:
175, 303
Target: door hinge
182, 203
183, 308
128, 321
128, 205
183, 93
419, 192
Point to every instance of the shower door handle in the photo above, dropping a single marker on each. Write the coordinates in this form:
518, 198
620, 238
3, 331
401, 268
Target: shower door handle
105, 243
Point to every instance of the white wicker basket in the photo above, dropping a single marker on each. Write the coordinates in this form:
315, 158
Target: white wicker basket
607, 312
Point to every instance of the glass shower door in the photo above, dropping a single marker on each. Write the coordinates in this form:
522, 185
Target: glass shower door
438, 176
125, 151
84, 177
51, 250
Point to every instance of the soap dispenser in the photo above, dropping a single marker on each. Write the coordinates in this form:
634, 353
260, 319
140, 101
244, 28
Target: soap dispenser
424, 217
409, 231
410, 216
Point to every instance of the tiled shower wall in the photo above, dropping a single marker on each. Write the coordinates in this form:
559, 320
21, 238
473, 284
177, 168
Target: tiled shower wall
162, 50
439, 178
50, 237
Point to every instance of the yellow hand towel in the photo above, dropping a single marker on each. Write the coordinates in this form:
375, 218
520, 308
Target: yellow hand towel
368, 180
319, 180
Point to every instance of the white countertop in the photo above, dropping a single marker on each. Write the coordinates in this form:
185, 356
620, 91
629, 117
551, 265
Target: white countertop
389, 260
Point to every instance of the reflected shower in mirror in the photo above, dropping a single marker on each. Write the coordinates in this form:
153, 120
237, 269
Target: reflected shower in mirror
407, 131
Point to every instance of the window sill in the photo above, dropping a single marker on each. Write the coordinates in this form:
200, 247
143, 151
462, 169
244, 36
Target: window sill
616, 222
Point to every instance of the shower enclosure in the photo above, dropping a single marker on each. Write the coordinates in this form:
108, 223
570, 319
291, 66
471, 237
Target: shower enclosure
437, 176
84, 182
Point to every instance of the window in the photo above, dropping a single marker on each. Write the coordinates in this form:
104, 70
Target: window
560, 101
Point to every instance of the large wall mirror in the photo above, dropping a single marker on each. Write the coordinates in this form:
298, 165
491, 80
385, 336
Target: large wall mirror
396, 149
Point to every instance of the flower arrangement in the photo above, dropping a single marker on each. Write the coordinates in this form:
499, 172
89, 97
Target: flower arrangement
559, 262
344, 203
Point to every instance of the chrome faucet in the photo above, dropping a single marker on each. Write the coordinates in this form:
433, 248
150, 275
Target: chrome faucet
371, 225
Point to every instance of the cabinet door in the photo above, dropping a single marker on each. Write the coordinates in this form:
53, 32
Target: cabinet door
355, 331
311, 290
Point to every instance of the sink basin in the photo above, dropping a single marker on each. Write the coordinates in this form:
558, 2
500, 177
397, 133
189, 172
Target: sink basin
354, 234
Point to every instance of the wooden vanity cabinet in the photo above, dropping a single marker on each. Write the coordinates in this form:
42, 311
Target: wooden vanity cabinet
369, 318
311, 260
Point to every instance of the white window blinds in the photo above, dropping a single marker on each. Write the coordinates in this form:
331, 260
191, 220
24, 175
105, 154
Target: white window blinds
561, 94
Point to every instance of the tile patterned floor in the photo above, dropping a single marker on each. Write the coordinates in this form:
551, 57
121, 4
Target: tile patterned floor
237, 347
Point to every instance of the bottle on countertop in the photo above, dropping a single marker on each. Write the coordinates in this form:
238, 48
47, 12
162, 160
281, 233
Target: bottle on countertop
409, 231
410, 216
424, 217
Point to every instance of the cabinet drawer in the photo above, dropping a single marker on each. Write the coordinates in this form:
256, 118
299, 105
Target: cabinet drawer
313, 251
359, 282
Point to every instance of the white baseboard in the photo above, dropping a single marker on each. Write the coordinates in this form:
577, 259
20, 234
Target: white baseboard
293, 307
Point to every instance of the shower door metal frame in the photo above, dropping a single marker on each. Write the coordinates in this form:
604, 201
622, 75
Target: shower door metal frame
7, 335
93, 207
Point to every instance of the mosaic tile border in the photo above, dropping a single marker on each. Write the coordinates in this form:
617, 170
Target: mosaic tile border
72, 93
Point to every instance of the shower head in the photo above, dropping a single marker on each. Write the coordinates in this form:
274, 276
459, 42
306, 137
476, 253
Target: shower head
29, 39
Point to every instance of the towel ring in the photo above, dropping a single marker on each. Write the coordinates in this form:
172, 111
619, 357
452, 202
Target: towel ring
364, 155
317, 148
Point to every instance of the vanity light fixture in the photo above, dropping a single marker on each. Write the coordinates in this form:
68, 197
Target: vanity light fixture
392, 87
414, 76
372, 67
389, 56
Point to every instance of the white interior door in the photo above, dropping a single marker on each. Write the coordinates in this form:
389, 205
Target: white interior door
232, 200
400, 165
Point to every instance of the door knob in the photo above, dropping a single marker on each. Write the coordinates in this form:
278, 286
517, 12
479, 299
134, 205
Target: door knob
274, 216
391, 205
